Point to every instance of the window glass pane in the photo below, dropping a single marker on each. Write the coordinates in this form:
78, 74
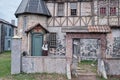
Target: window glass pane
8, 43
112, 10
52, 40
103, 11
73, 9
10, 31
60, 9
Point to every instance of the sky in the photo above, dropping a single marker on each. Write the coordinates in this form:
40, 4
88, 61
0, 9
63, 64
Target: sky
8, 8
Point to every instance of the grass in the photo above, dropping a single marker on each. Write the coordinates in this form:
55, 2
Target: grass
88, 66
5, 67
5, 71
5, 64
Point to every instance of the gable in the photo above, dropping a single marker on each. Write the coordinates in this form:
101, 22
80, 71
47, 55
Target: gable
37, 28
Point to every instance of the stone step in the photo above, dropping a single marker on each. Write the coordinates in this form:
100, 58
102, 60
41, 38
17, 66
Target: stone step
86, 74
81, 71
89, 77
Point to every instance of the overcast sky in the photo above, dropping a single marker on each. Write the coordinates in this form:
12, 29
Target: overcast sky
8, 8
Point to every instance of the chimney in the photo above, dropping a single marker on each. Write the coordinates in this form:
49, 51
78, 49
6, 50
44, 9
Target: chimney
13, 22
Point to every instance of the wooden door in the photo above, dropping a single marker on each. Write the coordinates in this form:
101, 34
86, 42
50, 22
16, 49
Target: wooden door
37, 41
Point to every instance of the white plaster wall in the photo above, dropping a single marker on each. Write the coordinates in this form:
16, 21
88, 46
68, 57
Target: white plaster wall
85, 8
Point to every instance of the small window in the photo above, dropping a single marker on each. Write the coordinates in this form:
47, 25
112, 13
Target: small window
60, 9
73, 9
103, 11
112, 10
24, 23
52, 38
5, 31
8, 43
10, 32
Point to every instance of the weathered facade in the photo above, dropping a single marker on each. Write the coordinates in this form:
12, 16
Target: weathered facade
6, 34
89, 29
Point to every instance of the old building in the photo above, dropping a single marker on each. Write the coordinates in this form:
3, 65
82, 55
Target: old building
89, 29
6, 34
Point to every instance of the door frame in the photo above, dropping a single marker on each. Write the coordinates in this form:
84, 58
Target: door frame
32, 41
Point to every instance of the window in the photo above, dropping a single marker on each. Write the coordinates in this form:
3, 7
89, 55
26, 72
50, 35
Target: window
112, 10
8, 43
10, 31
24, 23
73, 9
5, 31
103, 11
52, 38
60, 9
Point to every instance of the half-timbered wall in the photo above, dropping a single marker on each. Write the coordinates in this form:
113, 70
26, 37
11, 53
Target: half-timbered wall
88, 13
83, 17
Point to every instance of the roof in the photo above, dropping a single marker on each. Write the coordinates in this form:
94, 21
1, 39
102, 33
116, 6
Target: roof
37, 25
6, 22
99, 29
32, 7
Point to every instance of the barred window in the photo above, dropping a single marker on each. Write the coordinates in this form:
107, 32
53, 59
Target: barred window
52, 38
112, 10
60, 9
73, 8
103, 11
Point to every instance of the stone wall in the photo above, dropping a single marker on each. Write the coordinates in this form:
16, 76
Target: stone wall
31, 20
113, 44
40, 64
71, 36
113, 66
60, 48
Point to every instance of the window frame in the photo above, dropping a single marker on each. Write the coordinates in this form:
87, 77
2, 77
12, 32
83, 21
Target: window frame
102, 11
113, 11
60, 9
53, 40
73, 10
9, 43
